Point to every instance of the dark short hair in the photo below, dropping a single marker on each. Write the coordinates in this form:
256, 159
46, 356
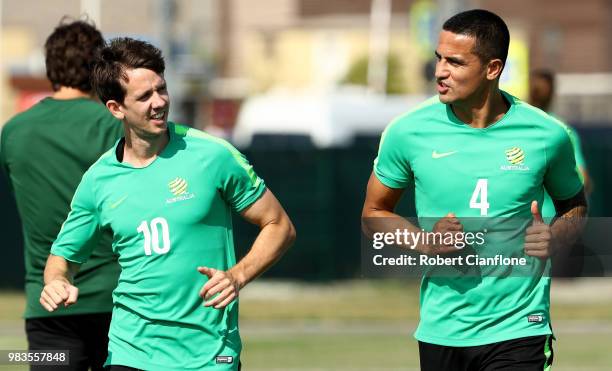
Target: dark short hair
69, 53
489, 30
120, 55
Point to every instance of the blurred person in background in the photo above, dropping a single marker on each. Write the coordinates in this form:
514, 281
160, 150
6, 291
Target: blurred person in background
476, 151
44, 152
541, 94
167, 193
568, 263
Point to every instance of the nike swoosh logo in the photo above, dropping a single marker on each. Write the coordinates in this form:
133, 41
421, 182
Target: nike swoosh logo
435, 154
115, 204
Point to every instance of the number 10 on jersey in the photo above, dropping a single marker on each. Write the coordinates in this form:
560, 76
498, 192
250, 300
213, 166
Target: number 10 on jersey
479, 198
151, 236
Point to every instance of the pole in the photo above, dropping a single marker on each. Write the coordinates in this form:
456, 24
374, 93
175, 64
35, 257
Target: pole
380, 19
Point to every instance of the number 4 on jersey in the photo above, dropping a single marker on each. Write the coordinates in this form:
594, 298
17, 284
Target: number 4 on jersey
480, 192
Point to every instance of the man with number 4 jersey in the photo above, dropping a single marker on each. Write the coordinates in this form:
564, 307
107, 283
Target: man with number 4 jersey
166, 192
477, 151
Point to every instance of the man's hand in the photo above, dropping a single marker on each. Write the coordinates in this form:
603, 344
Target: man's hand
276, 234
448, 224
58, 292
538, 237
219, 282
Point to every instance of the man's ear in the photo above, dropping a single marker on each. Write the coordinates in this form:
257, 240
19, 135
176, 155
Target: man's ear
494, 69
115, 109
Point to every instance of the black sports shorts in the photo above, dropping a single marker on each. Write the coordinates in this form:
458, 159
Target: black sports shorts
522, 354
85, 336
125, 368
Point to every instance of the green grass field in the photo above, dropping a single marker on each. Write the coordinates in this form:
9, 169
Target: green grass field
368, 325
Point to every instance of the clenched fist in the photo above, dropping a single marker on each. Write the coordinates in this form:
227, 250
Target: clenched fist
58, 292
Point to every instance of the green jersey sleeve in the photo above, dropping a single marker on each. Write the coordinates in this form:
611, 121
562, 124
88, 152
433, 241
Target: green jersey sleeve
392, 167
577, 144
76, 239
240, 185
562, 180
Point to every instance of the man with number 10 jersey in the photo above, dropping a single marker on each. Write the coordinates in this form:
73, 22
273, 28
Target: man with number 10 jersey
167, 193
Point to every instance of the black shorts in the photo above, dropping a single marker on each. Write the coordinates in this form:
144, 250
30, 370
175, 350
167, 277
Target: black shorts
523, 354
125, 368
85, 336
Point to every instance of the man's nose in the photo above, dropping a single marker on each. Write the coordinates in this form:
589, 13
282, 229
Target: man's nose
158, 100
442, 71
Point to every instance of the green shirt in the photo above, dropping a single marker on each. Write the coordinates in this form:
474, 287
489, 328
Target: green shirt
548, 207
494, 173
167, 219
45, 151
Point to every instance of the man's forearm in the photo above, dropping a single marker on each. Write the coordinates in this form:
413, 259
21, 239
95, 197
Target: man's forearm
271, 243
383, 221
58, 288
58, 268
389, 223
569, 222
567, 228
378, 214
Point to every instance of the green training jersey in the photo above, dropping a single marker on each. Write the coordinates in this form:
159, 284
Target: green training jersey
167, 219
491, 173
45, 151
548, 207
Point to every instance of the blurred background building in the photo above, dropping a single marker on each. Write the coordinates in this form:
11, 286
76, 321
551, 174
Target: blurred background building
305, 87
222, 51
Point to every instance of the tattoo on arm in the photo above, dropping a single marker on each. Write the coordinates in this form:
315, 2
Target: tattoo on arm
569, 220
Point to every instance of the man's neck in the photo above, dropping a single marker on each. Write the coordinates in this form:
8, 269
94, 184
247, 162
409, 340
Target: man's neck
140, 151
484, 110
65, 92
